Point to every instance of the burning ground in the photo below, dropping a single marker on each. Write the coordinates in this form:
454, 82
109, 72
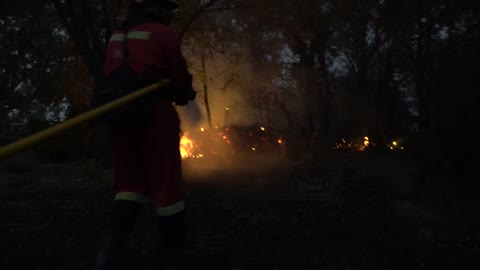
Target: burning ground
345, 211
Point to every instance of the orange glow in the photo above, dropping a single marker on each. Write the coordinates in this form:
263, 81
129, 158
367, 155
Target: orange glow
280, 141
186, 146
225, 138
366, 142
352, 146
202, 129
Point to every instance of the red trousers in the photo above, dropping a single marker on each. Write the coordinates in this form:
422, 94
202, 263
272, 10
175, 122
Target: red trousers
147, 162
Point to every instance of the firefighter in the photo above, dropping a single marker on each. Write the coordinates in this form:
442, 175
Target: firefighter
146, 158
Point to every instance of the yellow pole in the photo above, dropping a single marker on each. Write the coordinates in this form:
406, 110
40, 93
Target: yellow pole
29, 141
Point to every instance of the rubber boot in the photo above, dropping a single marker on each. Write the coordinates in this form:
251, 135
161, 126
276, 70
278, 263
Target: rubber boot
172, 240
113, 252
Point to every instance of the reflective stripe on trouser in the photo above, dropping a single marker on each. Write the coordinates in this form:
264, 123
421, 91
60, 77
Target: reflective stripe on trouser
131, 196
167, 210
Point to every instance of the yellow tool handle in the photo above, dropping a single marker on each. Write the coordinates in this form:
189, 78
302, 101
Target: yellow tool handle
29, 141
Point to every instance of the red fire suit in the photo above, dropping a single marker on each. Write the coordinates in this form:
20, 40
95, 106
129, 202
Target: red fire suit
146, 159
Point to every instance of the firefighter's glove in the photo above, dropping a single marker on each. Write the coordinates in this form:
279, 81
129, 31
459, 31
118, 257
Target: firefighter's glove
183, 98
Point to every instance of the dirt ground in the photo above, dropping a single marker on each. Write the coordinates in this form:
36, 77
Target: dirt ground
344, 211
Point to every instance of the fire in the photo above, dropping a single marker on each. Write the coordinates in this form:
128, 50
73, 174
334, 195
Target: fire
356, 145
203, 143
188, 148
366, 141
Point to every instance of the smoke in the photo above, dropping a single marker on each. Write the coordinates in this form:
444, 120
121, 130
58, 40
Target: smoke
220, 148
250, 166
191, 115
240, 94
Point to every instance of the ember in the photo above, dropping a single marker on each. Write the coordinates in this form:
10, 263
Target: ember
355, 146
230, 140
343, 145
358, 145
395, 146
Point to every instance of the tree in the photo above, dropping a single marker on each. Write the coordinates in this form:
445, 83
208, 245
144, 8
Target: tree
32, 56
211, 46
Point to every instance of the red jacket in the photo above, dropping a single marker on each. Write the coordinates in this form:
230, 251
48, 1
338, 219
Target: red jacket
152, 48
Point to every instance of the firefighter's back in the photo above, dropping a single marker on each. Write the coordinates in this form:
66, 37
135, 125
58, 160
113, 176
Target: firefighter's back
148, 44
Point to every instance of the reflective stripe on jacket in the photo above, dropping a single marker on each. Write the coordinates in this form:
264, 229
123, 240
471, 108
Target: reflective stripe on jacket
152, 48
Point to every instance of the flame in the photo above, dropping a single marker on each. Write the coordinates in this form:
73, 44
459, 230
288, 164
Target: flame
186, 146
366, 142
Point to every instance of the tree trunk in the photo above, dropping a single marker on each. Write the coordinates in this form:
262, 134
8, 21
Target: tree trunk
383, 101
78, 21
205, 89
325, 100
